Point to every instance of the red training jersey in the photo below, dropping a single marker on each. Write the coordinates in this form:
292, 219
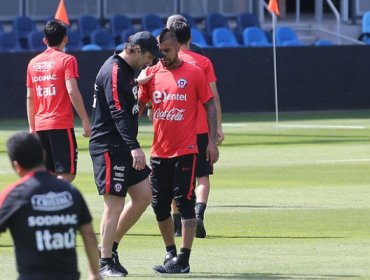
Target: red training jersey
175, 95
46, 76
206, 65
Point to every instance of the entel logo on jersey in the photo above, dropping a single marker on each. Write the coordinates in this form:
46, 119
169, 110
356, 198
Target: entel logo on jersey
159, 96
43, 66
51, 201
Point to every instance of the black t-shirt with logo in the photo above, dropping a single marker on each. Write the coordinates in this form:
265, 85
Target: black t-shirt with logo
43, 214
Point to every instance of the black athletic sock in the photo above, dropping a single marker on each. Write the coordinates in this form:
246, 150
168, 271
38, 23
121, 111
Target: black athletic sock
184, 256
105, 261
200, 208
171, 249
115, 247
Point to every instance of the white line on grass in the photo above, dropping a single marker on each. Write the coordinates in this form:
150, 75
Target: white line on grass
234, 124
329, 161
278, 163
317, 162
321, 126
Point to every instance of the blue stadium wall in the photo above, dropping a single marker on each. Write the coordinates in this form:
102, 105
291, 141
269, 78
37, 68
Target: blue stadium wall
309, 78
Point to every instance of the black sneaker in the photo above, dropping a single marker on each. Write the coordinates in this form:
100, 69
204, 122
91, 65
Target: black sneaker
200, 231
110, 270
172, 266
117, 264
169, 256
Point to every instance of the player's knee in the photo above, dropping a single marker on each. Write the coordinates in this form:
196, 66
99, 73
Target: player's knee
141, 194
162, 212
146, 198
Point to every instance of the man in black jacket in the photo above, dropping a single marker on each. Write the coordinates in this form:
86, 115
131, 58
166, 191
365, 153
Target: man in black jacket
118, 160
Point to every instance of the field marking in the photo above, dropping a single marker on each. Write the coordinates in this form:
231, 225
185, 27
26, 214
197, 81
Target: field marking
234, 124
321, 126
324, 161
278, 163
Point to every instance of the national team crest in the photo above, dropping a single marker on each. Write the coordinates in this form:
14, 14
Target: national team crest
117, 187
181, 83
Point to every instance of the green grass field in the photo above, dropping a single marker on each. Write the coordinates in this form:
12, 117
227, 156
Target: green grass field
287, 202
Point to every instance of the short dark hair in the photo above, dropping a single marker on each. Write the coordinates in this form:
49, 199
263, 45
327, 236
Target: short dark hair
173, 18
182, 31
166, 34
54, 31
131, 48
26, 149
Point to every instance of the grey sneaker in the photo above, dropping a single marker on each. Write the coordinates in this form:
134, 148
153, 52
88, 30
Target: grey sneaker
171, 267
200, 231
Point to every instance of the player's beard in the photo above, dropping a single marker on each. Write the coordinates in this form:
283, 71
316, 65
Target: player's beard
169, 64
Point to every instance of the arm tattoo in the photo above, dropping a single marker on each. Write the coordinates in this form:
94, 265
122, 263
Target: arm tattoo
212, 119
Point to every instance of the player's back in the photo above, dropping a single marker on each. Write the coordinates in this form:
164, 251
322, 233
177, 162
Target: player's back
44, 214
46, 75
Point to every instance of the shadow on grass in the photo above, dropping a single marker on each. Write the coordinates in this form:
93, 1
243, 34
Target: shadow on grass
255, 276
231, 237
6, 245
258, 276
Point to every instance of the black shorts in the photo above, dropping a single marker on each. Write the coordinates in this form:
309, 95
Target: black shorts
203, 167
114, 173
61, 150
173, 178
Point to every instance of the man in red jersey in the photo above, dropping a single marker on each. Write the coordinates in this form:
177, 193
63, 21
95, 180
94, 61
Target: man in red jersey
175, 91
203, 168
43, 215
51, 91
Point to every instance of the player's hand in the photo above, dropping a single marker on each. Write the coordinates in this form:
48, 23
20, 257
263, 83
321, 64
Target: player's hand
138, 159
143, 78
86, 129
220, 136
212, 152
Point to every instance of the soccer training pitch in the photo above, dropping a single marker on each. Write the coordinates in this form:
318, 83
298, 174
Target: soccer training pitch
287, 202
